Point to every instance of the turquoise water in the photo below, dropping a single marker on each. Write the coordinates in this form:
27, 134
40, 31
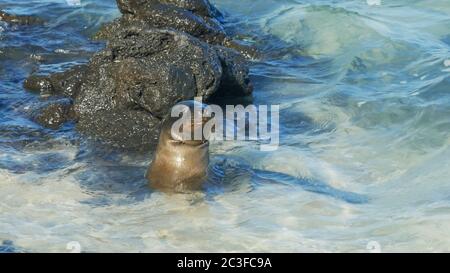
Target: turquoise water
364, 92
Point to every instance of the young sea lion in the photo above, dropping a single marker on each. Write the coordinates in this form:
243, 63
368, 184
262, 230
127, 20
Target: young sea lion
180, 163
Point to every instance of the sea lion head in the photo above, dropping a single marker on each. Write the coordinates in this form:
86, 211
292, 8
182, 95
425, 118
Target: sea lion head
181, 159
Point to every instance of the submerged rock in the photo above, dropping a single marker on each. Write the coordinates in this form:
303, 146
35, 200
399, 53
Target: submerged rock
20, 19
55, 114
126, 89
67, 83
8, 246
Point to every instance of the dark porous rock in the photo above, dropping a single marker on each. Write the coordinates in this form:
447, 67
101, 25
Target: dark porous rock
150, 69
157, 54
200, 7
135, 81
169, 16
55, 114
65, 83
196, 17
20, 19
127, 129
190, 66
37, 83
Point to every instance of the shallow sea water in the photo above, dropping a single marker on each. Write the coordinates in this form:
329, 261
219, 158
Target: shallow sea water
364, 93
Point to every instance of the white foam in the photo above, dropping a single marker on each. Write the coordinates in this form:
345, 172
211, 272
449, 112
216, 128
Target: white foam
73, 2
361, 103
62, 51
374, 2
